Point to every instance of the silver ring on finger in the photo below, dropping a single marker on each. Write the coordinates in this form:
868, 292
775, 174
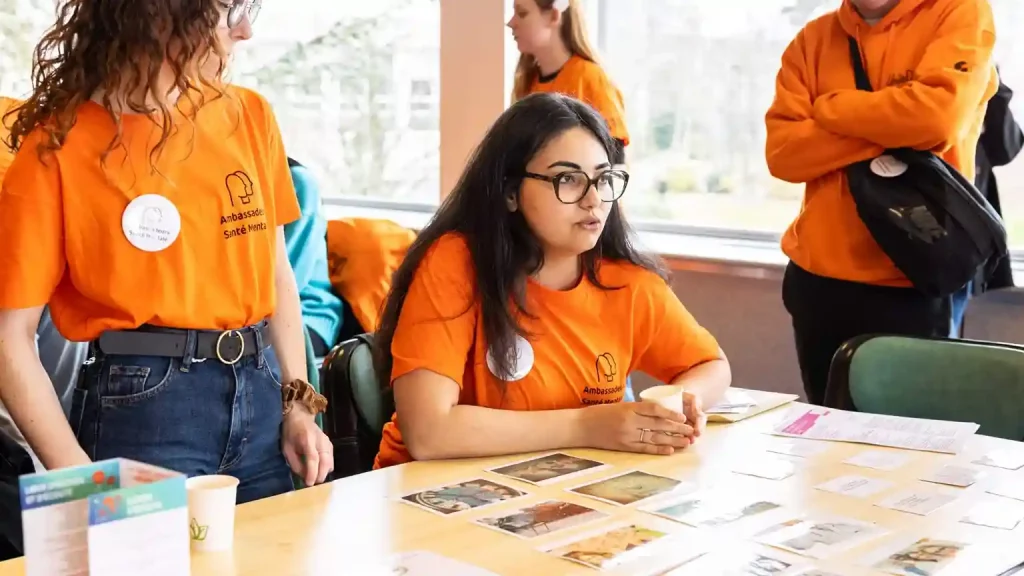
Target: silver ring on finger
642, 432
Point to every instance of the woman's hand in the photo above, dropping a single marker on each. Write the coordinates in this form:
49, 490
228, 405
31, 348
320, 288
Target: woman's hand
643, 427
693, 408
305, 446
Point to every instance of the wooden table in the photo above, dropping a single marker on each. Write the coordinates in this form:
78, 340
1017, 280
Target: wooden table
352, 525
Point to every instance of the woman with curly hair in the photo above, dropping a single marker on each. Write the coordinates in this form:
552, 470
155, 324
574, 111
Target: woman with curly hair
145, 205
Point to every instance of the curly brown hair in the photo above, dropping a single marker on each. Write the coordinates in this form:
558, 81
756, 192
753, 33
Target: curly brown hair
98, 48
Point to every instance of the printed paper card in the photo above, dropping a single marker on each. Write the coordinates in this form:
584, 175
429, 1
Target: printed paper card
608, 548
819, 537
110, 517
923, 557
462, 496
542, 519
739, 559
426, 563
549, 468
710, 510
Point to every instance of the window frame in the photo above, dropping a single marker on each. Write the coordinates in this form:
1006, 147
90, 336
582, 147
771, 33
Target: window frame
744, 252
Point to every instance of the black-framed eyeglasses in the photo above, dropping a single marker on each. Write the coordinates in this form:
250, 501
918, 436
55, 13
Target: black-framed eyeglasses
241, 9
573, 185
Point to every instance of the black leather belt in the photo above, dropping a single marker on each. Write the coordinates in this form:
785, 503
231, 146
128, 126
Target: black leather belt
228, 346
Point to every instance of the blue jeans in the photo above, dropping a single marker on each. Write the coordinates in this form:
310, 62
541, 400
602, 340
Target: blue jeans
958, 307
195, 417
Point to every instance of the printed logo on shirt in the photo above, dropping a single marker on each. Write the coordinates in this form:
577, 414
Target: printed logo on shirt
248, 218
606, 368
605, 391
239, 187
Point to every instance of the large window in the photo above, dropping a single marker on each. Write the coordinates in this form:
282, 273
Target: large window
22, 22
698, 77
355, 86
356, 90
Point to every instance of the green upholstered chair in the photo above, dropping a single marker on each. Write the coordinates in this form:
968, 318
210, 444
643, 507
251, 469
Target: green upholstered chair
939, 379
357, 408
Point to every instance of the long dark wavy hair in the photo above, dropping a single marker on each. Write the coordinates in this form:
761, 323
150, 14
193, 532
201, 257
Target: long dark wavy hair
503, 249
117, 46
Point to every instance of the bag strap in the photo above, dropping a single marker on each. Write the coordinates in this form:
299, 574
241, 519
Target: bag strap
859, 73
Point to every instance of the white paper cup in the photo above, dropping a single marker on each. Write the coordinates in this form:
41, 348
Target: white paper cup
670, 397
211, 511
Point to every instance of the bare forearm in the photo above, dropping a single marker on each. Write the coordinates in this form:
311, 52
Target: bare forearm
286, 331
709, 381
27, 393
472, 431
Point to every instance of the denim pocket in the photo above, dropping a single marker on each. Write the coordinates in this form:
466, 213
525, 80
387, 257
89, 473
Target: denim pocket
271, 367
132, 379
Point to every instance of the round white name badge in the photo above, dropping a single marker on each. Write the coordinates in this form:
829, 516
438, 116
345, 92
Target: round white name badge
151, 223
888, 166
523, 361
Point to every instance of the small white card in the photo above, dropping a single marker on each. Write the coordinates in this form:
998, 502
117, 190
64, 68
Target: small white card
994, 515
769, 468
920, 503
1010, 490
425, 563
952, 475
879, 460
805, 449
855, 486
1002, 459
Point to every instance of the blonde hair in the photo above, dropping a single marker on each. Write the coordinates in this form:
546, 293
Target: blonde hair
573, 33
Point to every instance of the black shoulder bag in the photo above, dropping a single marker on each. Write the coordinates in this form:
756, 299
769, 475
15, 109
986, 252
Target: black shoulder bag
930, 220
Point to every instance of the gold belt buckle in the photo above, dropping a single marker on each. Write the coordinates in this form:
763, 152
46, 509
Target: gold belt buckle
241, 348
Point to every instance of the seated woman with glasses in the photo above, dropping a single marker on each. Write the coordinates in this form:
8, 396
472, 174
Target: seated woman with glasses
146, 205
520, 309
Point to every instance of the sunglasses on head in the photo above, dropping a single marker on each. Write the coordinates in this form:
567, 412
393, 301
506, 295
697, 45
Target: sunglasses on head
241, 9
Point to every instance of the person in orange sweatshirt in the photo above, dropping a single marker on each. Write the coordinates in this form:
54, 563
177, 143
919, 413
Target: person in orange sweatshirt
556, 56
930, 63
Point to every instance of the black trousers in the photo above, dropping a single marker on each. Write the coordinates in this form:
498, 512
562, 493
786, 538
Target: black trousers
827, 312
14, 461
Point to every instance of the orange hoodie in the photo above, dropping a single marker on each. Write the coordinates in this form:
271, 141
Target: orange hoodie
930, 62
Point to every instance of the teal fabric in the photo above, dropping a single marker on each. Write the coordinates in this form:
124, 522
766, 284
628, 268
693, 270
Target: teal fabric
306, 240
943, 380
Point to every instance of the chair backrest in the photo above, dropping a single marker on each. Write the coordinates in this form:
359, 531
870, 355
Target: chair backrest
940, 379
357, 408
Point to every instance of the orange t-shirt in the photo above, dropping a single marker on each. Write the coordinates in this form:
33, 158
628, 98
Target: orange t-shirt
6, 154
583, 342
62, 221
586, 81
930, 63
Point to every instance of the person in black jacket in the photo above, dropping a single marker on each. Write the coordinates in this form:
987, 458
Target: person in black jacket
1000, 142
